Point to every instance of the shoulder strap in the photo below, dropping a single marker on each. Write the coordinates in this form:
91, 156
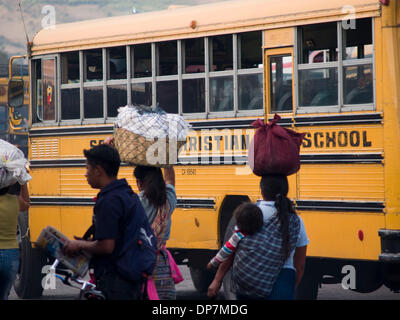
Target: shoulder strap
89, 233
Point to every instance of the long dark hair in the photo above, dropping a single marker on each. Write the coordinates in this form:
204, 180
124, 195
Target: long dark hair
154, 188
275, 187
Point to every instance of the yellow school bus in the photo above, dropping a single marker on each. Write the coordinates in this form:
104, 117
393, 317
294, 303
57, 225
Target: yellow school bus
330, 69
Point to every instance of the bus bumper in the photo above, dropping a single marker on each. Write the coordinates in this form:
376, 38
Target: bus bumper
390, 245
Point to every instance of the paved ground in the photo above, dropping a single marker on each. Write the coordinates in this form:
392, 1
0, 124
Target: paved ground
186, 291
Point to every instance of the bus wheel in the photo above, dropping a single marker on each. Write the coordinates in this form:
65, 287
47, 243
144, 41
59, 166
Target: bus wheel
28, 283
201, 278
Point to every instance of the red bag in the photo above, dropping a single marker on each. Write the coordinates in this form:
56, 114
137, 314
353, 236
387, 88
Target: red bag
274, 149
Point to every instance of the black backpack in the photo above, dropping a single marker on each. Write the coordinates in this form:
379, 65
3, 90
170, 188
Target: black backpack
137, 258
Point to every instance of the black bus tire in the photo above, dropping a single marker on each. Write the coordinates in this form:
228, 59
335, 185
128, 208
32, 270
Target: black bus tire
28, 283
201, 278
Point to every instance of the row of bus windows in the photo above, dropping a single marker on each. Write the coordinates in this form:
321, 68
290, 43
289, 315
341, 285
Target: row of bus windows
193, 96
93, 77
193, 58
94, 83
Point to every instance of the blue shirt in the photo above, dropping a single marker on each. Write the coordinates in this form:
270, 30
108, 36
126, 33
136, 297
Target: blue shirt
116, 214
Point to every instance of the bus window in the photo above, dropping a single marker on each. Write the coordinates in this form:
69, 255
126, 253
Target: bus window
167, 58
37, 90
318, 71
93, 95
358, 84
70, 86
49, 91
193, 55
250, 44
221, 54
358, 40
318, 87
70, 103
280, 69
319, 43
93, 98
221, 94
250, 91
141, 60
142, 93
193, 95
116, 97
167, 96
117, 63
94, 65
358, 79
70, 67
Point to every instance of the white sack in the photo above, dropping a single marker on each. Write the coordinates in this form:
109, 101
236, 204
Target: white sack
152, 124
12, 165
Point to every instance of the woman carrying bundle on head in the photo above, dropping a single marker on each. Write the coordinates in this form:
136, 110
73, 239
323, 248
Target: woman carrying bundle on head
158, 198
268, 264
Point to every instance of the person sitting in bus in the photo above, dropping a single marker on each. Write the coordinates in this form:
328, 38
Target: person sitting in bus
249, 219
362, 93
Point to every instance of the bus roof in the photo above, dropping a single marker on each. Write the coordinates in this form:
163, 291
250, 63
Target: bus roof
209, 19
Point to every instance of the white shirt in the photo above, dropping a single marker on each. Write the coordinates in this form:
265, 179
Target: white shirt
268, 209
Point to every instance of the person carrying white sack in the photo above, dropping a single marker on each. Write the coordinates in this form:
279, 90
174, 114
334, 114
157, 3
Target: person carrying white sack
12, 171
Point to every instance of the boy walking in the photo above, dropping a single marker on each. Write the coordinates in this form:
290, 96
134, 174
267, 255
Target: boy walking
117, 215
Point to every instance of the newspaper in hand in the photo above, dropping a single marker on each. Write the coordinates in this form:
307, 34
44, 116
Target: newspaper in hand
53, 242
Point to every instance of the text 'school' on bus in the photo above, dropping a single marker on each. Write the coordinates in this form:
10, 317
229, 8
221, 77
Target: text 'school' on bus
330, 69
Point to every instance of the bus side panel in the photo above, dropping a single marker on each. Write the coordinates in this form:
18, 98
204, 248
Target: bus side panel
343, 235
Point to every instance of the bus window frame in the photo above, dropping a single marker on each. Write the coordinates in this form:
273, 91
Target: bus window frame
33, 99
339, 65
276, 52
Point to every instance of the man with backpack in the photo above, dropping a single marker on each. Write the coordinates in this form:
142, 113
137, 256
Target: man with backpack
123, 244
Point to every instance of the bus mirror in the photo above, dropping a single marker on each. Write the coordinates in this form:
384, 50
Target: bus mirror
15, 93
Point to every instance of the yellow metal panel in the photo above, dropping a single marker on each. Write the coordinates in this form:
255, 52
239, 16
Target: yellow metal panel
279, 37
73, 183
44, 148
341, 182
390, 63
42, 216
336, 234
378, 63
75, 220
72, 147
45, 181
194, 229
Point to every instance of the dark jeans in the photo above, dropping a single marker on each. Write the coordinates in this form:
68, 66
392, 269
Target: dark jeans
114, 287
283, 289
9, 262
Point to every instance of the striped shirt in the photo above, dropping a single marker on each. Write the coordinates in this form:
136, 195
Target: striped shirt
228, 248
